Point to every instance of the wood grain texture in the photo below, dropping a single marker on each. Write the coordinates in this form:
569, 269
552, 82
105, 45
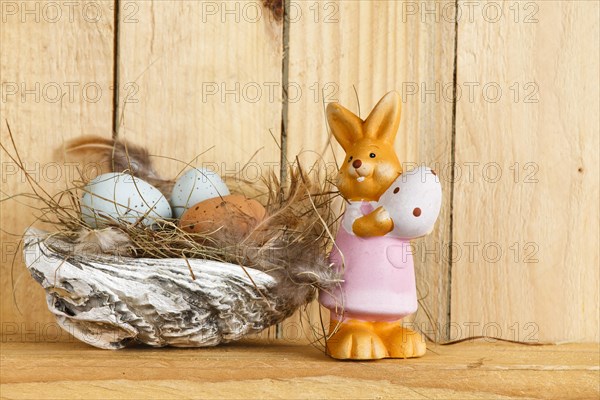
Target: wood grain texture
56, 83
336, 47
542, 212
203, 78
283, 370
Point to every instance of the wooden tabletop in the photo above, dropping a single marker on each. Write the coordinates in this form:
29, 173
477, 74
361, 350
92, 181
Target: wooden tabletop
476, 370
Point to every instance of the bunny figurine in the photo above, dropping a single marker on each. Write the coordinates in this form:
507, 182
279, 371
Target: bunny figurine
385, 209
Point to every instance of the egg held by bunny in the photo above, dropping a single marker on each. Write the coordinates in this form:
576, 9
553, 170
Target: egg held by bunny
378, 272
413, 202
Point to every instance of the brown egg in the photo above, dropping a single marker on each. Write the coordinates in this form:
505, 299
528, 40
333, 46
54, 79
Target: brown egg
232, 215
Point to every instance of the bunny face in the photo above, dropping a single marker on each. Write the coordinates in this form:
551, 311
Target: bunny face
370, 165
369, 169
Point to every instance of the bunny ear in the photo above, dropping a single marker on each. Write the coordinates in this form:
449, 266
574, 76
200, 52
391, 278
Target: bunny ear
346, 127
384, 120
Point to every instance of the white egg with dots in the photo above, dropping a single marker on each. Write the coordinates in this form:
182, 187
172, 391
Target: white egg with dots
413, 202
123, 199
195, 186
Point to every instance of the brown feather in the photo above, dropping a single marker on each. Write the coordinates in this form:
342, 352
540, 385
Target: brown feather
118, 155
290, 244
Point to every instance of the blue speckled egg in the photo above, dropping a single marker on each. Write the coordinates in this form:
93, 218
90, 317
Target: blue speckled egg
194, 186
122, 198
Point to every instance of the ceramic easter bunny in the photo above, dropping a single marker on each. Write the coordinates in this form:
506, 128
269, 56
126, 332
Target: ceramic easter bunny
386, 208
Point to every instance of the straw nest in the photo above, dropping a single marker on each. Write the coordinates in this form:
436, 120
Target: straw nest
265, 276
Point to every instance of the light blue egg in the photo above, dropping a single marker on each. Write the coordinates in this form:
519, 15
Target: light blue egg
122, 198
196, 185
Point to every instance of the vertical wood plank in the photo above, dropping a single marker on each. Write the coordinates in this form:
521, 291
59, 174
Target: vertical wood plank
532, 271
203, 83
56, 68
375, 47
202, 77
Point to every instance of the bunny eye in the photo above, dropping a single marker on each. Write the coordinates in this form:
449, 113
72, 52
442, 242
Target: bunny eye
372, 155
350, 159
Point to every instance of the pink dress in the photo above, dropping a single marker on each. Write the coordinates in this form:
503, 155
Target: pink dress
378, 273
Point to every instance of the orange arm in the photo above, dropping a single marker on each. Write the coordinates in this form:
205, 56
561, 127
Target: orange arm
376, 223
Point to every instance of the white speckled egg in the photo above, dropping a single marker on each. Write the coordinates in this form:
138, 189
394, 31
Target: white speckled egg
413, 202
122, 198
194, 186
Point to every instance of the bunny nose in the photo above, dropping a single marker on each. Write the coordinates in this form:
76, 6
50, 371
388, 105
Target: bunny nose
357, 163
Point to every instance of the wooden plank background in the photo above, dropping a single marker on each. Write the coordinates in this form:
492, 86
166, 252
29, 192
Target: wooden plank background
533, 229
196, 77
56, 77
203, 80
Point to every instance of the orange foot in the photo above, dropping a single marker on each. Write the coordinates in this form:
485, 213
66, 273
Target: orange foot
400, 342
355, 340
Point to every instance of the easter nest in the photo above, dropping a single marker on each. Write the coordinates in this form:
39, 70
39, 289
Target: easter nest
125, 282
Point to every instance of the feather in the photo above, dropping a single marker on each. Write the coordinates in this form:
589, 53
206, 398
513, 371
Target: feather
102, 241
290, 244
118, 155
